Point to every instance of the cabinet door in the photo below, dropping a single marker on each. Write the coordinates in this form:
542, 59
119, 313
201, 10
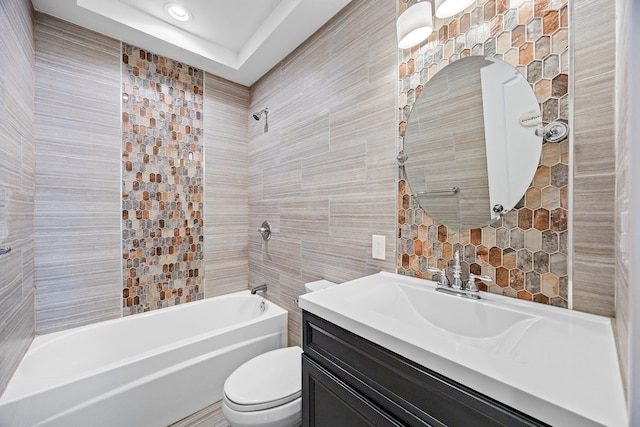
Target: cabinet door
329, 402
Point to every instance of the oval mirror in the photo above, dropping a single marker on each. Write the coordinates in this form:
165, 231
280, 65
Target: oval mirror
470, 142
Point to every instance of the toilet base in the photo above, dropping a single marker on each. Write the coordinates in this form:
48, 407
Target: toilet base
287, 415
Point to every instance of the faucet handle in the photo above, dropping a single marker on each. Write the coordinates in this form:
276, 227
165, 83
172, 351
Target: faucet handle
443, 275
471, 282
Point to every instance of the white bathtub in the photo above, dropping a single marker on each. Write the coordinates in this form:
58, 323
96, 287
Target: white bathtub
150, 369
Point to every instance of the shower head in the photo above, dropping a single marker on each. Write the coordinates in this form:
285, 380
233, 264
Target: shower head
259, 114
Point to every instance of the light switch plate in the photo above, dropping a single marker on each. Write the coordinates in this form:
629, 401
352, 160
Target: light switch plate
378, 247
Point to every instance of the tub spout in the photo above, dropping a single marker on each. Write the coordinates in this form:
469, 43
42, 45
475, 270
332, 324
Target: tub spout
259, 288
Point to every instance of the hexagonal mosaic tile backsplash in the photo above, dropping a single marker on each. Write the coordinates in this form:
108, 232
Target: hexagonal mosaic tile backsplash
162, 187
526, 250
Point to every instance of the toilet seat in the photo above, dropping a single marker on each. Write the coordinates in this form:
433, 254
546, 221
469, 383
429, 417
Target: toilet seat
267, 381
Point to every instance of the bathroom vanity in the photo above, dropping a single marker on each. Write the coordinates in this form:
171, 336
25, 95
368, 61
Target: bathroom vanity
348, 380
389, 350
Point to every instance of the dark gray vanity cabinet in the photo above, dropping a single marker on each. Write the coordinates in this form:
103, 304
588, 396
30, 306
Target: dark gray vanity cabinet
350, 381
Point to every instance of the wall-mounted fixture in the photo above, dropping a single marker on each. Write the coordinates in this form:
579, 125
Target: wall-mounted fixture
258, 114
178, 12
414, 25
265, 230
553, 132
401, 158
447, 8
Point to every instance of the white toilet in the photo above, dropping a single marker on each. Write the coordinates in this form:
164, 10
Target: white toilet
266, 391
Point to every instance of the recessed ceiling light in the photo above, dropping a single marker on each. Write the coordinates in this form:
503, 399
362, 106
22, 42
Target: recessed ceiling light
177, 12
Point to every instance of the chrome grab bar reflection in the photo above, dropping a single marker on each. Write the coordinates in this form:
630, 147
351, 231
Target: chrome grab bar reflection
453, 191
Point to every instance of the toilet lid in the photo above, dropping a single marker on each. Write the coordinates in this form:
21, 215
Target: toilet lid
268, 380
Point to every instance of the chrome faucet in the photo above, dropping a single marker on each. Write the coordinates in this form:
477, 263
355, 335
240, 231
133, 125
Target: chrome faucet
458, 287
259, 288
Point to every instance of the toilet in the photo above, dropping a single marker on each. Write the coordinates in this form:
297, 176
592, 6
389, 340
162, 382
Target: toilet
266, 391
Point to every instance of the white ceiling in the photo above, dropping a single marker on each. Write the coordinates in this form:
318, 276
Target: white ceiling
239, 40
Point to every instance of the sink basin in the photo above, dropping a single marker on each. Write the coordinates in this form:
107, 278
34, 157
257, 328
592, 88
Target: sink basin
449, 313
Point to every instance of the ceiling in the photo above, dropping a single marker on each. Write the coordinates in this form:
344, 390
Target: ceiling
239, 40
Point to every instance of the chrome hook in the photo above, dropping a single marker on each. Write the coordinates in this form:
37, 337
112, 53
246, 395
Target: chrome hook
553, 132
401, 158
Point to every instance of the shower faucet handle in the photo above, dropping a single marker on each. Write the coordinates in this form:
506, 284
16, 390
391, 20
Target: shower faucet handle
265, 230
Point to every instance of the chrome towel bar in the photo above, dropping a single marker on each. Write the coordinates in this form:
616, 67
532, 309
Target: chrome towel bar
453, 191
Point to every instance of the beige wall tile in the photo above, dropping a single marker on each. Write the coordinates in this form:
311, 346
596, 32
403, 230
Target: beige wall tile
594, 204
324, 174
78, 240
596, 277
594, 156
17, 165
226, 209
594, 122
594, 41
623, 291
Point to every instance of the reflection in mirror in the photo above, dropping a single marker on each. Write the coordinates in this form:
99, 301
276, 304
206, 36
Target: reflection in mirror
473, 127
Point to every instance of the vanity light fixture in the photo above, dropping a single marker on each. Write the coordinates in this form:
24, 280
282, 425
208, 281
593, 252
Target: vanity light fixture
178, 12
447, 8
414, 25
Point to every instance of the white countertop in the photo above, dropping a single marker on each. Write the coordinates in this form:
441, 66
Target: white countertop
557, 365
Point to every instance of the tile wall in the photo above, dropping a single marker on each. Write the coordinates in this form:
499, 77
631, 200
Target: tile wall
526, 251
162, 181
623, 184
324, 173
628, 139
17, 170
594, 153
226, 189
78, 139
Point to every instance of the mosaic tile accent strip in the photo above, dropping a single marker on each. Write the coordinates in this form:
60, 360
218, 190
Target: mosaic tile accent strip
162, 181
525, 251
